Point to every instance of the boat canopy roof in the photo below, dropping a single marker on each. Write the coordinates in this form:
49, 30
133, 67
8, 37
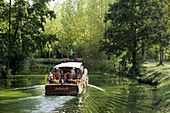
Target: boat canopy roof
70, 64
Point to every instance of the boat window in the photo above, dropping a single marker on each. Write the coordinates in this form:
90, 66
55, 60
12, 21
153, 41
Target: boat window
78, 71
73, 71
53, 70
66, 70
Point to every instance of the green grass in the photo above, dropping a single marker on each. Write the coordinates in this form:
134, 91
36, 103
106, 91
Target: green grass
28, 75
161, 76
47, 60
6, 94
153, 66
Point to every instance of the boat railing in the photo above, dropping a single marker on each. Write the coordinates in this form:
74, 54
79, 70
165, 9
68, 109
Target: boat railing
72, 60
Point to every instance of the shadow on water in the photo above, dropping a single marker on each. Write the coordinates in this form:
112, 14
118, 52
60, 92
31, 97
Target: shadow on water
108, 94
121, 95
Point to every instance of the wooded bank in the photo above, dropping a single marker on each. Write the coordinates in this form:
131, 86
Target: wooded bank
109, 35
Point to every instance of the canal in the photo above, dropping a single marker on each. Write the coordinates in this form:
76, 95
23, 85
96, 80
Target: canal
105, 93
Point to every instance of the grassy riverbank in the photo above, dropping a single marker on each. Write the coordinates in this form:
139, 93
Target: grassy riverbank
159, 76
13, 94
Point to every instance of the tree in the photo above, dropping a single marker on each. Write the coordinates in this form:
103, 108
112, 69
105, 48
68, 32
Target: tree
162, 27
23, 34
3, 33
132, 25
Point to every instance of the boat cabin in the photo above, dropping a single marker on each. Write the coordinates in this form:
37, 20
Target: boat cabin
67, 72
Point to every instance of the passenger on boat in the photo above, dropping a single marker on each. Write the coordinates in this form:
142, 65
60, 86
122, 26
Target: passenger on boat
50, 77
62, 77
58, 70
85, 72
68, 77
73, 73
79, 73
57, 76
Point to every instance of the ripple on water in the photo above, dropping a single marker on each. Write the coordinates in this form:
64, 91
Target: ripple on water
119, 95
126, 97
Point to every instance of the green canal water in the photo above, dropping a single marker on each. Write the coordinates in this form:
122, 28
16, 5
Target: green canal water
105, 93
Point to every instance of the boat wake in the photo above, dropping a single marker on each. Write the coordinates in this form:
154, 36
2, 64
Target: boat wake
29, 87
36, 104
96, 87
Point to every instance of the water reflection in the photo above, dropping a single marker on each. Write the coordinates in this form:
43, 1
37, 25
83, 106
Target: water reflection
75, 105
118, 95
121, 95
22, 81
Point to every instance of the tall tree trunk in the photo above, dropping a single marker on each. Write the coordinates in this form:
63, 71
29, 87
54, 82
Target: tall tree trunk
134, 57
9, 58
134, 53
9, 19
161, 56
156, 55
56, 54
49, 52
143, 51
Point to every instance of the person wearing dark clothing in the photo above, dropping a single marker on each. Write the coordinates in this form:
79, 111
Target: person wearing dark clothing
62, 78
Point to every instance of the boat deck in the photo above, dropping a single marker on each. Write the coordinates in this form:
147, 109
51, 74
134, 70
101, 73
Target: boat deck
62, 84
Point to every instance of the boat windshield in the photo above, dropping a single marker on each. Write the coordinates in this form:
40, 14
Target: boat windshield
76, 73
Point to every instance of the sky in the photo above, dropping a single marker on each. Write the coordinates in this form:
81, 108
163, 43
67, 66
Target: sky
52, 3
55, 1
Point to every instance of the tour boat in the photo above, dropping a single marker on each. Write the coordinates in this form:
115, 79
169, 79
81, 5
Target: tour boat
67, 78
